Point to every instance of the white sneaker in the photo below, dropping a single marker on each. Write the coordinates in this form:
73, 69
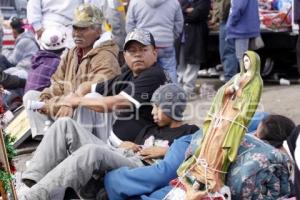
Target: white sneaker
222, 78
203, 72
213, 72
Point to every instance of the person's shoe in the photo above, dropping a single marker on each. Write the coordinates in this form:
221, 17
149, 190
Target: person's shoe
213, 72
203, 72
219, 67
222, 78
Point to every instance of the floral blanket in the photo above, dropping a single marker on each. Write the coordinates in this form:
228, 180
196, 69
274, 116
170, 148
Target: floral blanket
260, 171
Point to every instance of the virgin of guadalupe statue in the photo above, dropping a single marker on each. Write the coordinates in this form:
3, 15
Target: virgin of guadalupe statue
224, 127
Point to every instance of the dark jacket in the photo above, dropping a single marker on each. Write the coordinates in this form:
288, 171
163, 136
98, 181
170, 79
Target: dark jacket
297, 11
195, 31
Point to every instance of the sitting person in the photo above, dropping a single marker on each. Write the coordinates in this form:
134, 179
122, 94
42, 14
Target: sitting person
255, 167
281, 132
44, 63
89, 154
25, 47
14, 64
122, 103
82, 65
275, 129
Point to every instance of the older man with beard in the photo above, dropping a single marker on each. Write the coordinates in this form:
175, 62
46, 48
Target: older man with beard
81, 66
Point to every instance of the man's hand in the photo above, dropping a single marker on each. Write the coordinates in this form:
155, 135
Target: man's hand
72, 100
153, 152
45, 109
65, 111
130, 146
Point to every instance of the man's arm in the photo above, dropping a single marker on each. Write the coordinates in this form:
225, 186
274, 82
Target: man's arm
178, 22
99, 104
130, 17
237, 10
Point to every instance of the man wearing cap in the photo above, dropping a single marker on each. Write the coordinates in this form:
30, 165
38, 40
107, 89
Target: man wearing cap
129, 93
81, 66
164, 19
93, 157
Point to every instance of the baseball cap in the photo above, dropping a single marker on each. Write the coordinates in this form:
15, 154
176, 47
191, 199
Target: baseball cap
142, 36
86, 15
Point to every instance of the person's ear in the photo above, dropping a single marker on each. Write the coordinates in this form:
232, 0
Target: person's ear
155, 52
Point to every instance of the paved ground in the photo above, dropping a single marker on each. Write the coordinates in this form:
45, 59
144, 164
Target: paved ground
278, 99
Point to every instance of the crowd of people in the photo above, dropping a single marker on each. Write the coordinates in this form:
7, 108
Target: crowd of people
105, 89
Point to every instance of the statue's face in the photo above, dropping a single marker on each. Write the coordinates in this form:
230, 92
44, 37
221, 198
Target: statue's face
247, 62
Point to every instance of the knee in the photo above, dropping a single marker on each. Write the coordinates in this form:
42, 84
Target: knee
63, 120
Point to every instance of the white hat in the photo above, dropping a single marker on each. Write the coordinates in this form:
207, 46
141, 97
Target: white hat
52, 39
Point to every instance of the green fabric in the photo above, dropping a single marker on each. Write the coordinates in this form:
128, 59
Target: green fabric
247, 105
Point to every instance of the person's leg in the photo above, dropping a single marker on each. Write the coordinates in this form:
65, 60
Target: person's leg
241, 46
167, 60
227, 54
99, 124
230, 63
182, 65
63, 138
190, 77
36, 119
222, 37
77, 169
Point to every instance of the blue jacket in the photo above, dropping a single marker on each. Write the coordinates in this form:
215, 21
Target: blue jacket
157, 175
243, 21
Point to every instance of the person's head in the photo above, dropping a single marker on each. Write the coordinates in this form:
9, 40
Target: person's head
17, 26
87, 24
275, 129
139, 50
53, 40
169, 103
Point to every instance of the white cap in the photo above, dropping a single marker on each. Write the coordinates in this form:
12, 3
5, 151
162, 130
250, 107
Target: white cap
52, 39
